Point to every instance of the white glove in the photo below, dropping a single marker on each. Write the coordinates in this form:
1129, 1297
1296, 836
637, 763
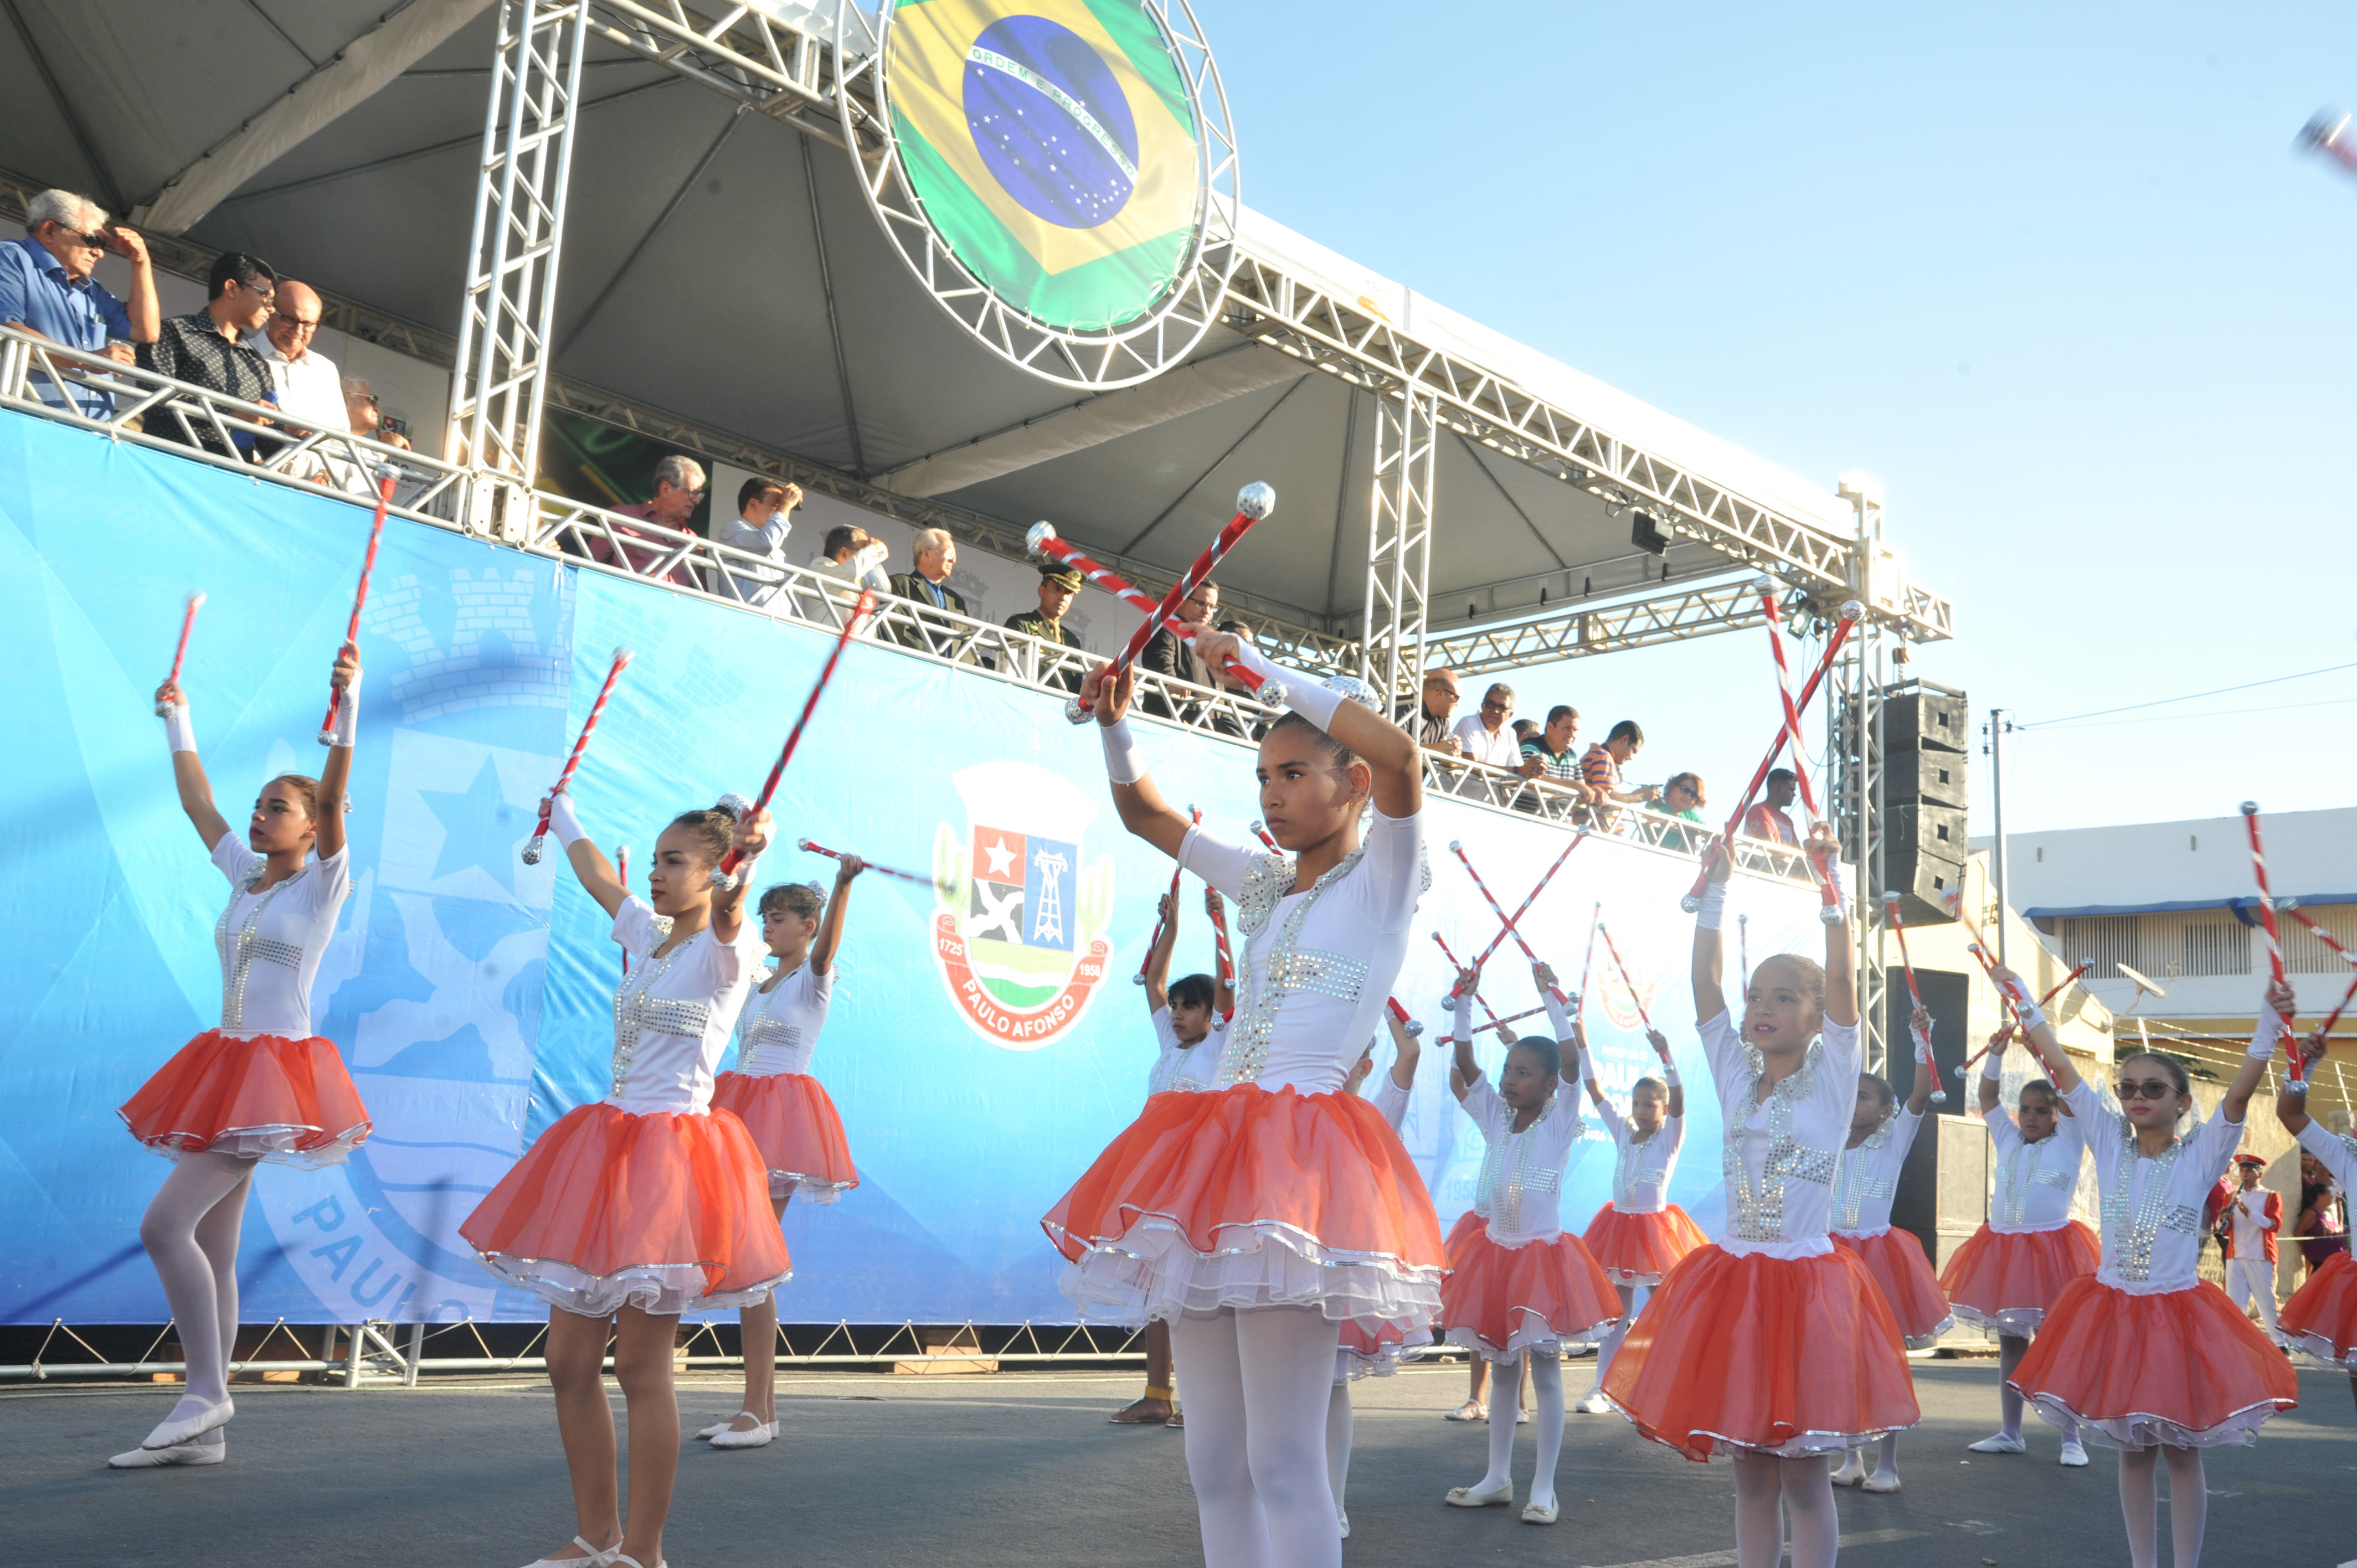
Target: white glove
346, 725
179, 732
563, 822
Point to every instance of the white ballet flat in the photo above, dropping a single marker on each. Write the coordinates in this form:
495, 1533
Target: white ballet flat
1998, 1444
173, 1434
2075, 1453
1343, 1520
715, 1429
1594, 1404
1472, 1410
1472, 1497
1846, 1476
179, 1454
595, 1559
759, 1437
1535, 1514
1877, 1483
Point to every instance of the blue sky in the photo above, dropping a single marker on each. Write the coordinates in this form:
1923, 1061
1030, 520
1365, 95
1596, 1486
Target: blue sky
2052, 274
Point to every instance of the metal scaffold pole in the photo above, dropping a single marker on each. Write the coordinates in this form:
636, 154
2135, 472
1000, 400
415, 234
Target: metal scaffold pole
1861, 793
1399, 542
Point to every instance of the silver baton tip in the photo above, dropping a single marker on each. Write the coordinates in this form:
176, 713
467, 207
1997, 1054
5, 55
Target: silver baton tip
1256, 500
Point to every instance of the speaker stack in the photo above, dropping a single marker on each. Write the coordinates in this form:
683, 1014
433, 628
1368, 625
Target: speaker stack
1925, 732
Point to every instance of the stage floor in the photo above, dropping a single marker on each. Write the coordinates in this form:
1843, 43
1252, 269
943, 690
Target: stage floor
1022, 1469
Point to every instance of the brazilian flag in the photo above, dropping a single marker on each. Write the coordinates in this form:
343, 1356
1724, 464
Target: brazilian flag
1053, 146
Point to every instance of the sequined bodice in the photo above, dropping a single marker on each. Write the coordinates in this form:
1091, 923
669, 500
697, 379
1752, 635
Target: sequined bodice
2023, 1171
2130, 1228
1859, 1184
1755, 1210
241, 952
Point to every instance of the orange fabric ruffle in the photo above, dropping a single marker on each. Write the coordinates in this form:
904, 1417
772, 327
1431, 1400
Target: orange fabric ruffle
1249, 1196
1641, 1249
796, 1127
2005, 1281
2184, 1368
286, 1101
2321, 1319
1783, 1356
1896, 1261
1500, 1300
663, 1212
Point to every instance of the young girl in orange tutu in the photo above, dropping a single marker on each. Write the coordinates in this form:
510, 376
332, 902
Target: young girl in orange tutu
2008, 1274
632, 1208
2321, 1319
1865, 1183
260, 1087
1775, 1347
1638, 1236
2143, 1354
792, 1119
1259, 1215
1521, 1288
1361, 1354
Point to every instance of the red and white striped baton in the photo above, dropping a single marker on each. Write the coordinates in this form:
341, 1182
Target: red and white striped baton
1508, 1018
385, 475
1613, 948
2011, 1031
1851, 613
1043, 541
1773, 613
2291, 906
181, 651
1451, 957
1215, 907
1922, 1045
589, 727
1392, 1005
623, 876
1253, 502
724, 875
2298, 1069
1578, 838
1160, 922
868, 865
1456, 848
1260, 831
1587, 958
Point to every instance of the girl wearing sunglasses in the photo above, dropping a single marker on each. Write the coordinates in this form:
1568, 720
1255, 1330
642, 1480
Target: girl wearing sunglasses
2143, 1353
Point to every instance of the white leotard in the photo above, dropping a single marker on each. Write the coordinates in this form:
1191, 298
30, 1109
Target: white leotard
780, 1027
2034, 1181
2152, 1208
1780, 1154
1520, 1186
673, 1015
1865, 1179
270, 942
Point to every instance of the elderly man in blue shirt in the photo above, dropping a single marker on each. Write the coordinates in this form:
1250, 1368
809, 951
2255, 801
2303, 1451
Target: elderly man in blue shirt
46, 288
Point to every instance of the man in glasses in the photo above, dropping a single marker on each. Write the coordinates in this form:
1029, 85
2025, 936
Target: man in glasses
679, 490
207, 350
1433, 731
47, 289
309, 388
1489, 735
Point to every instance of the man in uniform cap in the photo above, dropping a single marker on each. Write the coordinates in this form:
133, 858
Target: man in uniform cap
1058, 584
2253, 1216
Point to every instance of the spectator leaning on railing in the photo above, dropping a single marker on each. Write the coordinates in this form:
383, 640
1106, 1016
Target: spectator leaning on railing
367, 416
1434, 729
47, 289
1682, 797
207, 350
309, 390
1599, 769
765, 515
1488, 737
679, 485
1166, 655
1057, 587
1550, 756
1767, 818
935, 556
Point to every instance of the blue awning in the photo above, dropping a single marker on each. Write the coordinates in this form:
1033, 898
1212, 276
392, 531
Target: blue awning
2245, 909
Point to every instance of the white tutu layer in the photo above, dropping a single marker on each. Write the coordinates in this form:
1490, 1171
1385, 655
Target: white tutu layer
2240, 1430
1349, 1365
1532, 1333
807, 1190
1152, 1272
2014, 1323
273, 1146
2316, 1348
657, 1289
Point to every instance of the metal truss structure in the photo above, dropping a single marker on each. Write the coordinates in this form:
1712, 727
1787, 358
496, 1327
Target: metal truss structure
1854, 731
1399, 545
1615, 627
1098, 360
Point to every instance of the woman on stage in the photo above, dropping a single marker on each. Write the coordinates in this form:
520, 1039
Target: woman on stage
260, 1087
1776, 1347
2008, 1274
791, 1117
635, 1208
2145, 1354
1257, 1215
2321, 1319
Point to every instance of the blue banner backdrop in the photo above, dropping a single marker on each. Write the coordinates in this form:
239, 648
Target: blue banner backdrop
985, 1040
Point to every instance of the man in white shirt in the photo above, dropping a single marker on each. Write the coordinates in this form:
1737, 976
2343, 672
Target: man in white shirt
309, 388
1489, 735
765, 509
851, 556
2254, 1218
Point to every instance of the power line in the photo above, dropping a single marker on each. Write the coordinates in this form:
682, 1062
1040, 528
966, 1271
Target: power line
2212, 714
2189, 696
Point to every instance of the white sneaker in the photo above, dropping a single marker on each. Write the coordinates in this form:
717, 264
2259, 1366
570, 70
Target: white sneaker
1998, 1444
179, 1454
2075, 1453
1594, 1404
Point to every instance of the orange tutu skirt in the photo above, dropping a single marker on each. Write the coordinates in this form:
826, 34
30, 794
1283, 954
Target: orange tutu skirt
1500, 1300
1249, 1196
1786, 1355
1641, 1249
2321, 1319
663, 1212
1896, 1261
287, 1101
1377, 1353
794, 1124
2004, 1281
2184, 1368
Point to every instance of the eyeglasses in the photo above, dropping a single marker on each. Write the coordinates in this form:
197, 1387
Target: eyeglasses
1448, 691
1491, 704
2143, 1089
297, 322
96, 239
367, 398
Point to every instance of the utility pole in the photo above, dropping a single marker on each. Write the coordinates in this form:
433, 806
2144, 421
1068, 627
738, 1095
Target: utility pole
2000, 724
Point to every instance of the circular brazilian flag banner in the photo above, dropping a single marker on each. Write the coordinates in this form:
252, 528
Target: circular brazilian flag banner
1053, 146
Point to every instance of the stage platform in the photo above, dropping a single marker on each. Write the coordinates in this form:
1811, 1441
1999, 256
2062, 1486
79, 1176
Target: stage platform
1022, 1469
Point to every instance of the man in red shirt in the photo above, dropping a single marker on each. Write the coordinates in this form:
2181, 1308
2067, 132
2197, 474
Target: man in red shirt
1767, 820
679, 487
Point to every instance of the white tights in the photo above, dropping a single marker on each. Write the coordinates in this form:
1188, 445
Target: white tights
2010, 1350
1546, 1399
1337, 1440
1804, 1488
2188, 1503
1632, 1301
190, 1233
1259, 1388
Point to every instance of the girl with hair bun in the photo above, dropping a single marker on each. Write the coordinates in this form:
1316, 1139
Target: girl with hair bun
790, 1113
635, 1208
1521, 1287
260, 1087
2145, 1354
1774, 1347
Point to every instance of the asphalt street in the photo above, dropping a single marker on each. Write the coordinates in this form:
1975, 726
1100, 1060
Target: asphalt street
1022, 1469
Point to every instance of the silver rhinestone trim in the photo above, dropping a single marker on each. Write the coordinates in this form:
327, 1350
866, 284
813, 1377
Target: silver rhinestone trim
1509, 1169
239, 954
1334, 975
1852, 1187
637, 1013
1255, 1025
1265, 880
2128, 1237
1631, 1171
1758, 1213
760, 1032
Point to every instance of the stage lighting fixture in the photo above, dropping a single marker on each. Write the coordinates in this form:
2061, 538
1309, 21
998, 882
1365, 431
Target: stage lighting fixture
1646, 535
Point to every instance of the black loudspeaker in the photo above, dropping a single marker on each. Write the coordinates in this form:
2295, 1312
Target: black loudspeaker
1923, 883
1934, 775
1915, 830
1943, 1187
1923, 717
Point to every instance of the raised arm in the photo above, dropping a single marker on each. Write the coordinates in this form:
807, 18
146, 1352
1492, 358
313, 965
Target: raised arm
1841, 983
335, 775
2041, 1035
751, 837
1223, 990
2291, 1109
1993, 1070
1143, 809
2275, 1015
1465, 1071
1389, 751
188, 772
1709, 953
1677, 1100
1920, 1026
830, 925
589, 861
1407, 1051
1157, 957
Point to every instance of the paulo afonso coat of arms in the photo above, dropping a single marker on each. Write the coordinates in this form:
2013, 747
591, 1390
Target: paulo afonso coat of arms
1018, 933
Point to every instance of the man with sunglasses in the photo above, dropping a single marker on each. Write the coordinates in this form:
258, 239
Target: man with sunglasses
47, 289
1488, 736
680, 484
207, 350
1433, 731
310, 388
